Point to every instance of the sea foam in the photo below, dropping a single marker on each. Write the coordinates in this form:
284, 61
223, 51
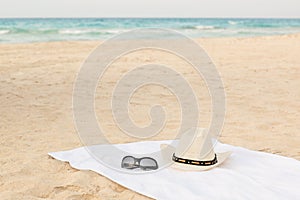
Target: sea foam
2, 32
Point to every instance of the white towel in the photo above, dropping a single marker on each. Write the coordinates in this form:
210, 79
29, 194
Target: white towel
245, 174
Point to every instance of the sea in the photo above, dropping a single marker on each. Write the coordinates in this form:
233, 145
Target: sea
30, 30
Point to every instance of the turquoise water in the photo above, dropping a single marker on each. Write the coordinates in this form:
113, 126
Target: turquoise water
43, 30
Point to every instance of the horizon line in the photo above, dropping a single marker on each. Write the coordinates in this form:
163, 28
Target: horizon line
148, 17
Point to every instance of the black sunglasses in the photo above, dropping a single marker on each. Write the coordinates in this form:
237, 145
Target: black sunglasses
144, 163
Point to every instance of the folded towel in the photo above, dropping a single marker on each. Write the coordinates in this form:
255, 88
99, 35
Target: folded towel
245, 174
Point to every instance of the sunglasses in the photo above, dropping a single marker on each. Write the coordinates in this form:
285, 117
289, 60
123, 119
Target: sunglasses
144, 163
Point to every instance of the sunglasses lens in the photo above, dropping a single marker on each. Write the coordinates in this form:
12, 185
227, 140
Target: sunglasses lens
128, 162
148, 163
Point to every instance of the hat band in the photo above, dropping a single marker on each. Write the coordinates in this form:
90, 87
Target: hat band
195, 162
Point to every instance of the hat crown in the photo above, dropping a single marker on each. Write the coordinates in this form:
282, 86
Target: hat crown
195, 144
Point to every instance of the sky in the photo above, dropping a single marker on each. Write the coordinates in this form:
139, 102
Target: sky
151, 8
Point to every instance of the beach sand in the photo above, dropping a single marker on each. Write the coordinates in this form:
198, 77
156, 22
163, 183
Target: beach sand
261, 76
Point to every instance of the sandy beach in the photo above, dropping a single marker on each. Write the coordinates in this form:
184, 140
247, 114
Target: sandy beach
261, 76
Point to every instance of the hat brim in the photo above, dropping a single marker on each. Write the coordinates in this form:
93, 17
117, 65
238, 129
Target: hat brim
168, 150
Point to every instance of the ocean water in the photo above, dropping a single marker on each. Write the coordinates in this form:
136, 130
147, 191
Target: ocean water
58, 29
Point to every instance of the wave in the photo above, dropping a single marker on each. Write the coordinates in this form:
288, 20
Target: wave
232, 22
205, 27
114, 31
29, 31
73, 32
90, 31
262, 31
56, 31
199, 27
3, 32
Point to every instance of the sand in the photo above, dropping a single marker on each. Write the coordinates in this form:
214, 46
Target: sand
261, 76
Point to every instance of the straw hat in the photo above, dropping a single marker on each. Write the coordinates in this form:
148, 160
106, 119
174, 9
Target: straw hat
194, 152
